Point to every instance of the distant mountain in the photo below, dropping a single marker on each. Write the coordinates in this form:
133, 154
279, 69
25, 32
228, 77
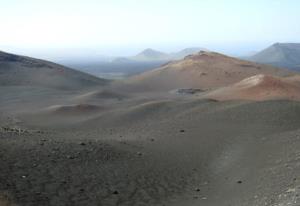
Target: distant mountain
204, 70
158, 56
150, 55
280, 54
18, 70
122, 60
185, 52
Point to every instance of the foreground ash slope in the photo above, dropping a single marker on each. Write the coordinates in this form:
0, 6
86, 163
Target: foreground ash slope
204, 70
105, 146
25, 71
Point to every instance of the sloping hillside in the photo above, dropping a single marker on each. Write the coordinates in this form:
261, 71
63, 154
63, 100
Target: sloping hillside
25, 71
260, 88
204, 70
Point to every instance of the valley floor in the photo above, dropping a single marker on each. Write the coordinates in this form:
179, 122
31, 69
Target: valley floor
108, 149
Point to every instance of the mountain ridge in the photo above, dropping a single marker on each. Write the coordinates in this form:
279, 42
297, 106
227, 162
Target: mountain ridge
205, 70
280, 54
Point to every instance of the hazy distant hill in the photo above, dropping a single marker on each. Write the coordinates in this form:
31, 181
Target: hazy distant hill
185, 52
121, 67
18, 70
280, 54
154, 55
150, 55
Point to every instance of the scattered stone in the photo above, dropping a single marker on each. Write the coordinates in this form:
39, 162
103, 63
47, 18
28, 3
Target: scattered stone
115, 192
23, 176
81, 190
197, 189
15, 130
291, 190
239, 182
82, 144
139, 153
70, 157
182, 130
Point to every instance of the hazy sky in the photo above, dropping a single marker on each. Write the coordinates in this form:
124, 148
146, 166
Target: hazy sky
114, 27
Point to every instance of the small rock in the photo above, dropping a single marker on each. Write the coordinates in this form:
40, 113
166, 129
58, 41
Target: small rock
56, 149
82, 144
70, 157
239, 182
182, 130
291, 190
205, 183
115, 192
197, 189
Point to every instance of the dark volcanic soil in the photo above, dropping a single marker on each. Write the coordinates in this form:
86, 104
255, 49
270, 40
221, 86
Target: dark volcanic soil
56, 171
149, 149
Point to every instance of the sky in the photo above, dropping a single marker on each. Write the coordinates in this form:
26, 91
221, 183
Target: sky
124, 27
